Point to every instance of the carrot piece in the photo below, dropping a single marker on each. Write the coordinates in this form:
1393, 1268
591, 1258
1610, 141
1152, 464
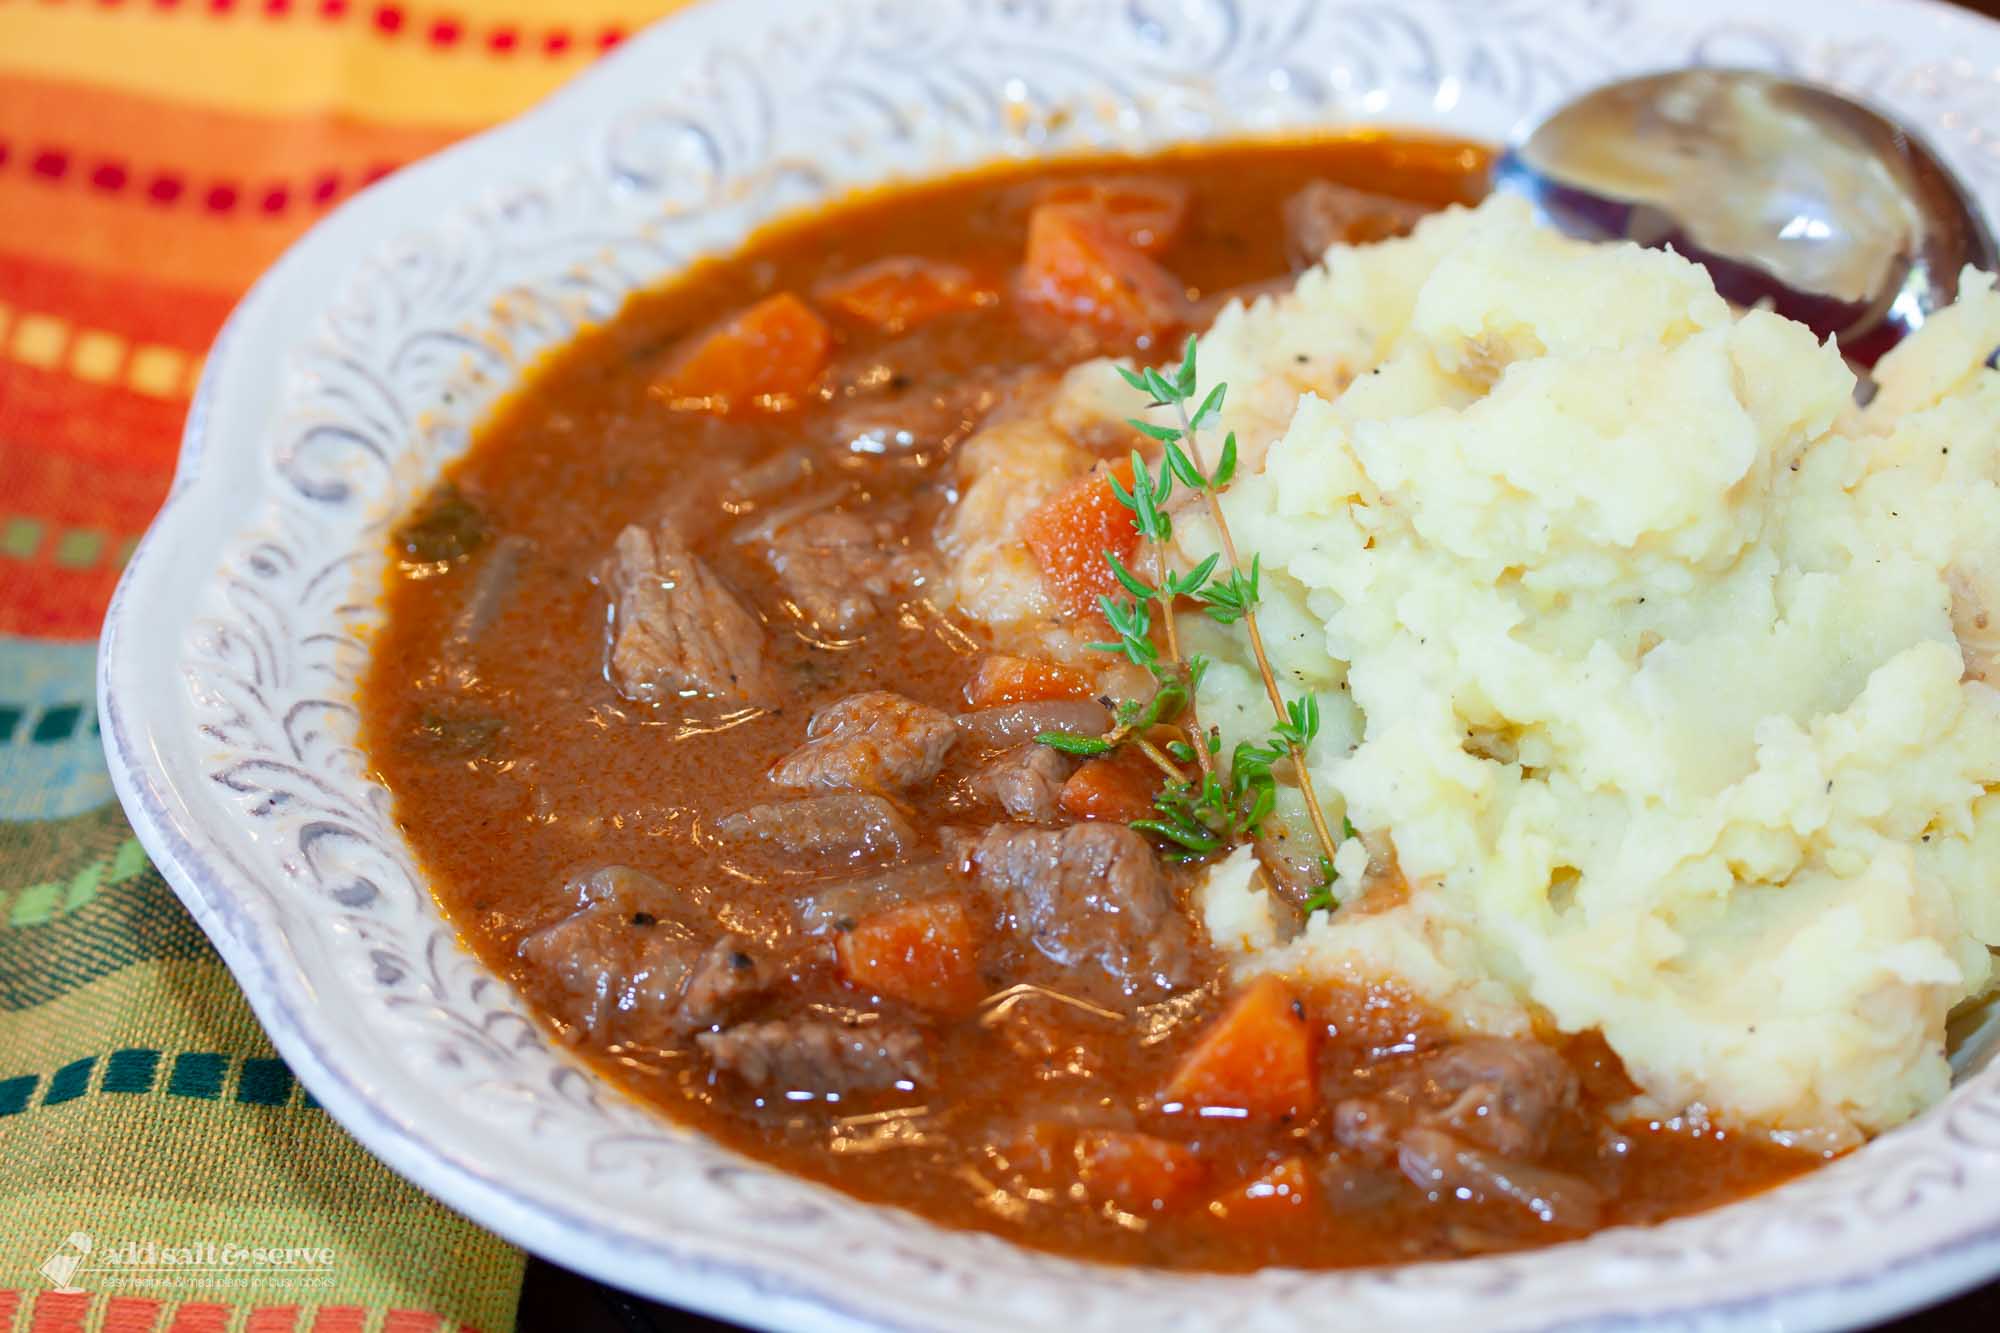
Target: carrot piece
765, 356
1002, 679
1139, 1172
1079, 270
1273, 1195
1144, 214
1117, 787
901, 292
1257, 1057
1069, 534
925, 953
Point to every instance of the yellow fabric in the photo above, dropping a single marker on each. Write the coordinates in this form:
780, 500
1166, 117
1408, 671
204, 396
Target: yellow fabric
155, 155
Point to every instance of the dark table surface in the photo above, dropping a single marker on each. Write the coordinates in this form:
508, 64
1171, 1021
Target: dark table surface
558, 1301
555, 1300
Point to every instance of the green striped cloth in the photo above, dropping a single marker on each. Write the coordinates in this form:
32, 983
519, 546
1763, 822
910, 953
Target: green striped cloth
152, 1143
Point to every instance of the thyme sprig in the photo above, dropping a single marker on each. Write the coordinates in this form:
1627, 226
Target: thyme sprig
1217, 805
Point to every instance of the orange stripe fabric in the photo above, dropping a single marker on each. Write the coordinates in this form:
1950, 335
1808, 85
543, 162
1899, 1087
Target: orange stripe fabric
378, 61
95, 126
155, 157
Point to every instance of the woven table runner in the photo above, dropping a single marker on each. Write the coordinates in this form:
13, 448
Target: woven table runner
160, 1168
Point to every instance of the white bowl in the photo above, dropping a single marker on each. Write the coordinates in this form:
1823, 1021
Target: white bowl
354, 371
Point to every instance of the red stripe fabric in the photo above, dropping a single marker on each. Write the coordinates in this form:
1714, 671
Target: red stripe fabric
200, 1317
130, 1314
157, 311
59, 1312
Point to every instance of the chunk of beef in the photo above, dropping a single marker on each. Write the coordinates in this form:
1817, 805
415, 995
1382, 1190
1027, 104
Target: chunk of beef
625, 967
1322, 215
1014, 724
728, 976
1443, 1164
1353, 1187
876, 741
814, 1055
1090, 893
840, 570
905, 414
838, 906
1474, 1119
1369, 1128
675, 629
849, 826
1025, 782
1505, 1095
776, 473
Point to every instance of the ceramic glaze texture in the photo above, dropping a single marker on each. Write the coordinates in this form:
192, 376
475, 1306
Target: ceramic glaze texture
358, 368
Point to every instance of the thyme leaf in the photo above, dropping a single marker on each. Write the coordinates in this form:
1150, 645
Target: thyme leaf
1220, 804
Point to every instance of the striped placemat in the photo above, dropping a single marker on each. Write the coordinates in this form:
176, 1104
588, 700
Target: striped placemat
160, 1167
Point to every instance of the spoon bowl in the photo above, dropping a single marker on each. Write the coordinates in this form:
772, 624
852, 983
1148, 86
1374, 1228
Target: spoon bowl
1791, 195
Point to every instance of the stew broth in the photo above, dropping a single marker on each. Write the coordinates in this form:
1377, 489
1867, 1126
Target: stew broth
519, 767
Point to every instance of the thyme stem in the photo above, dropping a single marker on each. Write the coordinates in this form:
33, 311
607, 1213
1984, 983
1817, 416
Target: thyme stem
1325, 835
1160, 761
1193, 720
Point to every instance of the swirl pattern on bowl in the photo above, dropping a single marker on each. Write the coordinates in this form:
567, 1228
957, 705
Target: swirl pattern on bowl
232, 655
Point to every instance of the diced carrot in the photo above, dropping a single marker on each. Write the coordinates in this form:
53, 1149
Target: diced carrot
1070, 533
1118, 787
1141, 1173
766, 356
1080, 271
1275, 1194
1023, 680
1257, 1057
925, 953
901, 292
1145, 214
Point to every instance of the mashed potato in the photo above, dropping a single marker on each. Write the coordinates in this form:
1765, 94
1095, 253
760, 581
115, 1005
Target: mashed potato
1660, 668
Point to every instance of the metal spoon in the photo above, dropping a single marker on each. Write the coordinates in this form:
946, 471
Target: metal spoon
1787, 193
1839, 217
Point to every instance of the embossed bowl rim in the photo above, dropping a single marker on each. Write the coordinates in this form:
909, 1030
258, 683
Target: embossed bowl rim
1909, 1219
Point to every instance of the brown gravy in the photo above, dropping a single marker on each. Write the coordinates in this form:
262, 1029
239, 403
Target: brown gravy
516, 764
